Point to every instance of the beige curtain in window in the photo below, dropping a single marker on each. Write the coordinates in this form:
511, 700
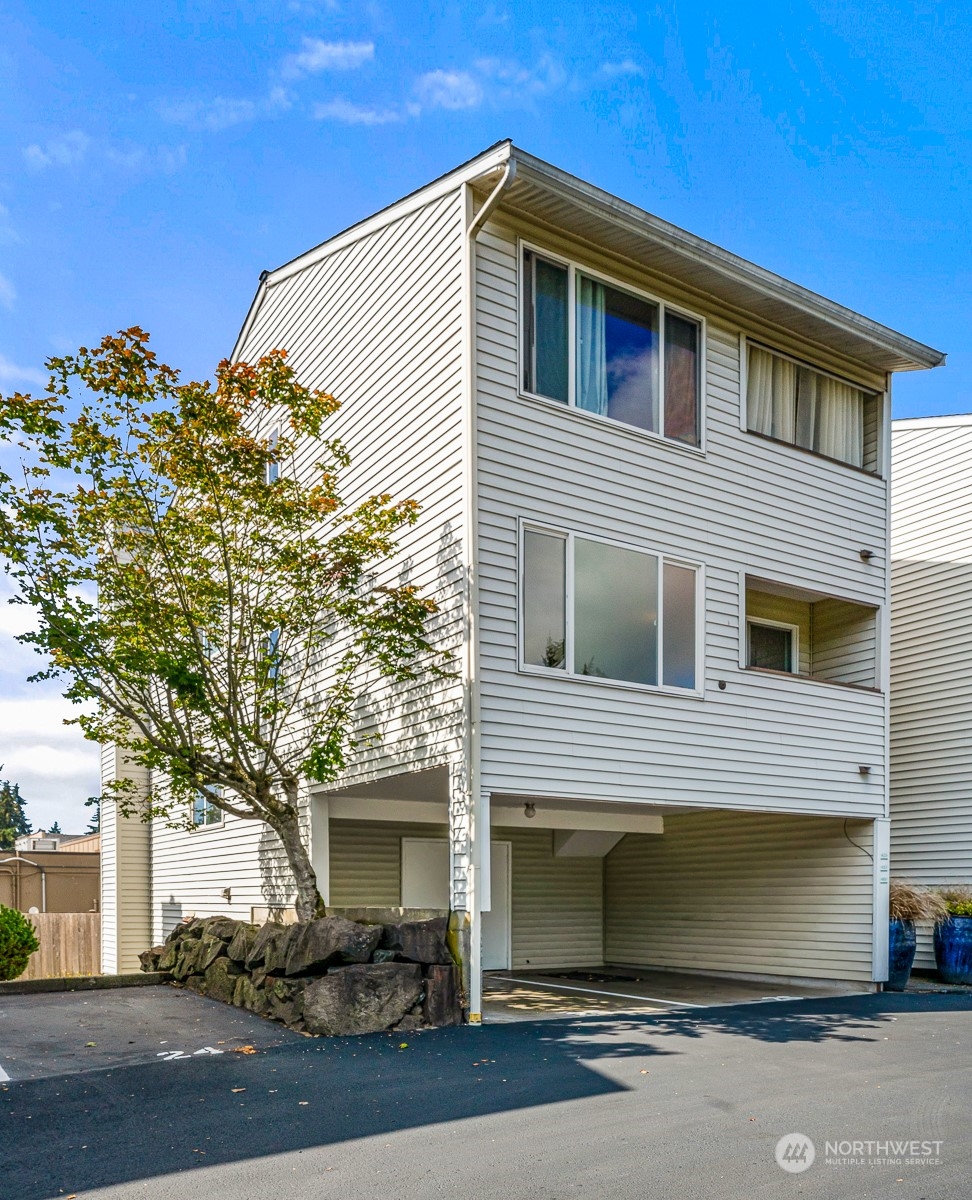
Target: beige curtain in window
771, 395
839, 425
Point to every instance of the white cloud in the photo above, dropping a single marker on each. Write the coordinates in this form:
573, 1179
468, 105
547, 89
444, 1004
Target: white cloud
10, 372
8, 293
449, 89
354, 114
8, 234
64, 151
316, 55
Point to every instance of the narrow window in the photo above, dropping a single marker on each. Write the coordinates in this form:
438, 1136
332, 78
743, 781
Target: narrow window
617, 354
204, 812
544, 600
678, 641
273, 466
681, 379
545, 327
795, 404
615, 612
271, 644
770, 647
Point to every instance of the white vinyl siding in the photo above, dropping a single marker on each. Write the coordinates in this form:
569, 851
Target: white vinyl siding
931, 649
377, 323
745, 893
748, 504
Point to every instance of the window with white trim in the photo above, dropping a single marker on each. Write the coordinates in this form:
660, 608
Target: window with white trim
272, 466
204, 812
592, 607
596, 345
791, 402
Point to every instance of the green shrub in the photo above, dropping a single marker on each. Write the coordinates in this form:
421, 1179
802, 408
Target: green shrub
958, 901
18, 941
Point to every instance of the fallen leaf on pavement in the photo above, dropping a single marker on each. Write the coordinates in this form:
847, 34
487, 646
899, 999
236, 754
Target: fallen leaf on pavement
244, 1049
235, 1090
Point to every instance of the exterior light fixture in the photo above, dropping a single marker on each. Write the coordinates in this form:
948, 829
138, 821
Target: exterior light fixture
866, 555
864, 770
529, 810
228, 895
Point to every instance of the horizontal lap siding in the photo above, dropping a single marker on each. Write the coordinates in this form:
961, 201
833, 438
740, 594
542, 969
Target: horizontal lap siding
191, 869
742, 892
366, 861
378, 324
557, 903
747, 507
931, 649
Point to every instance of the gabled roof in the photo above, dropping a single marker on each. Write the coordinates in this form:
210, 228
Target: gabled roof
553, 197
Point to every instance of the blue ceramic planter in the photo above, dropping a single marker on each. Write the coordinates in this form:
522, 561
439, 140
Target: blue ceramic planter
953, 949
902, 942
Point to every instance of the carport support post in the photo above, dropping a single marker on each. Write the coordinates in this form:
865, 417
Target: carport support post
882, 890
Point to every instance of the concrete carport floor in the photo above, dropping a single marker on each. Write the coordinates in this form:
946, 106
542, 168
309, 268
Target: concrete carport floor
535, 995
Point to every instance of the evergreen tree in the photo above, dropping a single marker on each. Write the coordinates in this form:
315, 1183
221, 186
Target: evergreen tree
56, 828
13, 818
94, 823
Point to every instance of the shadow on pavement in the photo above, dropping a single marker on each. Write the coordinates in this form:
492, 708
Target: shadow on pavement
93, 1129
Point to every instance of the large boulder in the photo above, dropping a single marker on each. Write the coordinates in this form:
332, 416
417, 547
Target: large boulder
363, 998
443, 996
208, 949
286, 999
150, 958
221, 977
316, 945
242, 943
169, 956
191, 927
247, 995
269, 949
418, 941
223, 928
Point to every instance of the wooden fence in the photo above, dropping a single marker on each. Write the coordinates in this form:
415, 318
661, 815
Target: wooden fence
70, 944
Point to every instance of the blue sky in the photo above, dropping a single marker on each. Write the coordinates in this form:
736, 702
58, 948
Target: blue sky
155, 158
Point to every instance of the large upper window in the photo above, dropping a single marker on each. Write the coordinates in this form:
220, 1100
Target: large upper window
793, 403
595, 608
630, 358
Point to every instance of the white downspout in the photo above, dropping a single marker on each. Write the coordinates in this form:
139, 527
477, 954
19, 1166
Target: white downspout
479, 866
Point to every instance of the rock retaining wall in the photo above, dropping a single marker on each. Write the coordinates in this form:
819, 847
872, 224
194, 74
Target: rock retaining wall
331, 976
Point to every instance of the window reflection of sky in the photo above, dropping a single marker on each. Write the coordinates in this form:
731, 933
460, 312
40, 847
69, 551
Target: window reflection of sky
631, 345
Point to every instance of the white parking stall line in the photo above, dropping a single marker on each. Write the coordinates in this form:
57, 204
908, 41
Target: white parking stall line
4, 1077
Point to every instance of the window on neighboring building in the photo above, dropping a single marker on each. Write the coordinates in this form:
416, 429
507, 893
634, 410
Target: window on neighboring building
772, 646
595, 608
631, 358
204, 812
793, 403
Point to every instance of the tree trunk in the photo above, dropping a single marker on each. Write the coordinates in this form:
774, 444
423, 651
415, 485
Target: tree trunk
309, 905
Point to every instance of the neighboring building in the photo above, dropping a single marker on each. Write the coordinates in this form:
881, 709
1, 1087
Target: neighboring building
42, 840
653, 481
65, 880
931, 648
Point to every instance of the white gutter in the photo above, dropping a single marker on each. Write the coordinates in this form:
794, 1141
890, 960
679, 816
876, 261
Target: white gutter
477, 896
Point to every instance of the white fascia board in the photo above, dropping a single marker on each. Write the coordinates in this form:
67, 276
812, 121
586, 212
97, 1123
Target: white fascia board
730, 265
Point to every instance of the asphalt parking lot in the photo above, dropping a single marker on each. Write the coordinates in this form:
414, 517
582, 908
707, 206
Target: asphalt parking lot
677, 1106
